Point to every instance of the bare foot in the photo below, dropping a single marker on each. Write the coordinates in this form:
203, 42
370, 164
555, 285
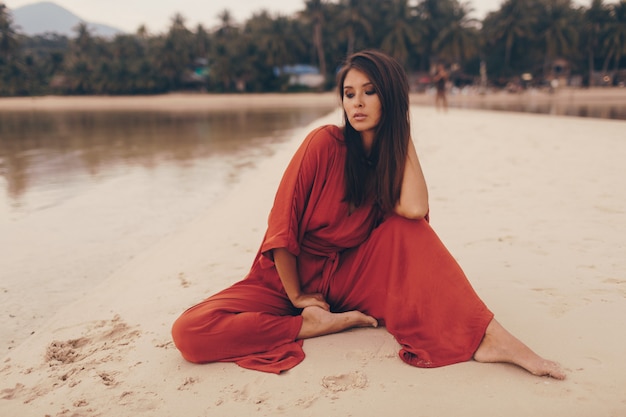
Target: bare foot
499, 345
318, 322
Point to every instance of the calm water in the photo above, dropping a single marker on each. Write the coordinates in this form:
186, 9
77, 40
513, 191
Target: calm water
82, 192
48, 158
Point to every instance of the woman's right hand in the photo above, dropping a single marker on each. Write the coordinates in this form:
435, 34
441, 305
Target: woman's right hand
309, 300
287, 268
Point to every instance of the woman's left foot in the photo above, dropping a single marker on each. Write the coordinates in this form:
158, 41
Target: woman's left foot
499, 345
318, 322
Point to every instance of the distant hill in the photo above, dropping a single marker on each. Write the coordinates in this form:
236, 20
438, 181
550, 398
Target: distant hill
47, 17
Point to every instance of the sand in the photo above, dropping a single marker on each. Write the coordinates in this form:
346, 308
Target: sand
211, 102
168, 102
534, 209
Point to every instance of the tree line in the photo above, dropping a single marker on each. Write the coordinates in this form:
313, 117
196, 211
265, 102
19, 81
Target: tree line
521, 37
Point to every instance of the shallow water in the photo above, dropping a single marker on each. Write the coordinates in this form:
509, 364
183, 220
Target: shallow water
48, 158
83, 192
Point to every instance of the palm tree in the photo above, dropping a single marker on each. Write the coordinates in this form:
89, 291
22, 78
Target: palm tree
433, 17
84, 40
459, 39
202, 42
81, 61
176, 52
297, 40
402, 37
314, 13
13, 76
615, 41
128, 55
513, 23
595, 18
226, 50
556, 30
227, 23
354, 19
265, 39
268, 36
8, 36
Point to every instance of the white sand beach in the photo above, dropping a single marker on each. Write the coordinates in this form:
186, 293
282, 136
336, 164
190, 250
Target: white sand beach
534, 209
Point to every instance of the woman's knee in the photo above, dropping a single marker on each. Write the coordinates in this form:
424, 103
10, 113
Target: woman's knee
398, 224
183, 338
192, 336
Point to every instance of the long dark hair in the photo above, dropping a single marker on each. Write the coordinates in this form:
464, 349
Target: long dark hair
379, 175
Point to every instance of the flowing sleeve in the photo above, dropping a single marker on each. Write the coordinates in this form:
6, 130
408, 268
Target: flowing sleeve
298, 188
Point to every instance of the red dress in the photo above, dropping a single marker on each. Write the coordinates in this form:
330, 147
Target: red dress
398, 272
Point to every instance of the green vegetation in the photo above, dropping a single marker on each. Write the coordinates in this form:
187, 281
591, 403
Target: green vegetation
542, 39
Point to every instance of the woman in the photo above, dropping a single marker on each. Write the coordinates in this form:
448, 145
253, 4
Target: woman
441, 79
348, 245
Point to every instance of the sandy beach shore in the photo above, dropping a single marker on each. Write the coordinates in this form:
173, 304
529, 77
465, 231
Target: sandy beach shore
209, 102
533, 207
168, 102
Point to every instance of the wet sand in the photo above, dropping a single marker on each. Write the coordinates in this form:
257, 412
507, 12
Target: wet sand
169, 102
534, 209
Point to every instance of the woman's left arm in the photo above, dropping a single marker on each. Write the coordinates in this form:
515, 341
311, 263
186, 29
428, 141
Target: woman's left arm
413, 202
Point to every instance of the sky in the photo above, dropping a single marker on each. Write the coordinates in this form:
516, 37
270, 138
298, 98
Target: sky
128, 15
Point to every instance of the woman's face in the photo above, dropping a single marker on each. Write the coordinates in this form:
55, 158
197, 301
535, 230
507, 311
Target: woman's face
361, 104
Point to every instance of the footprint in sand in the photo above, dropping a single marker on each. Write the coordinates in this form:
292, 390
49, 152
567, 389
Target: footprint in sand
10, 393
140, 402
184, 282
68, 362
345, 382
65, 352
187, 383
558, 303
